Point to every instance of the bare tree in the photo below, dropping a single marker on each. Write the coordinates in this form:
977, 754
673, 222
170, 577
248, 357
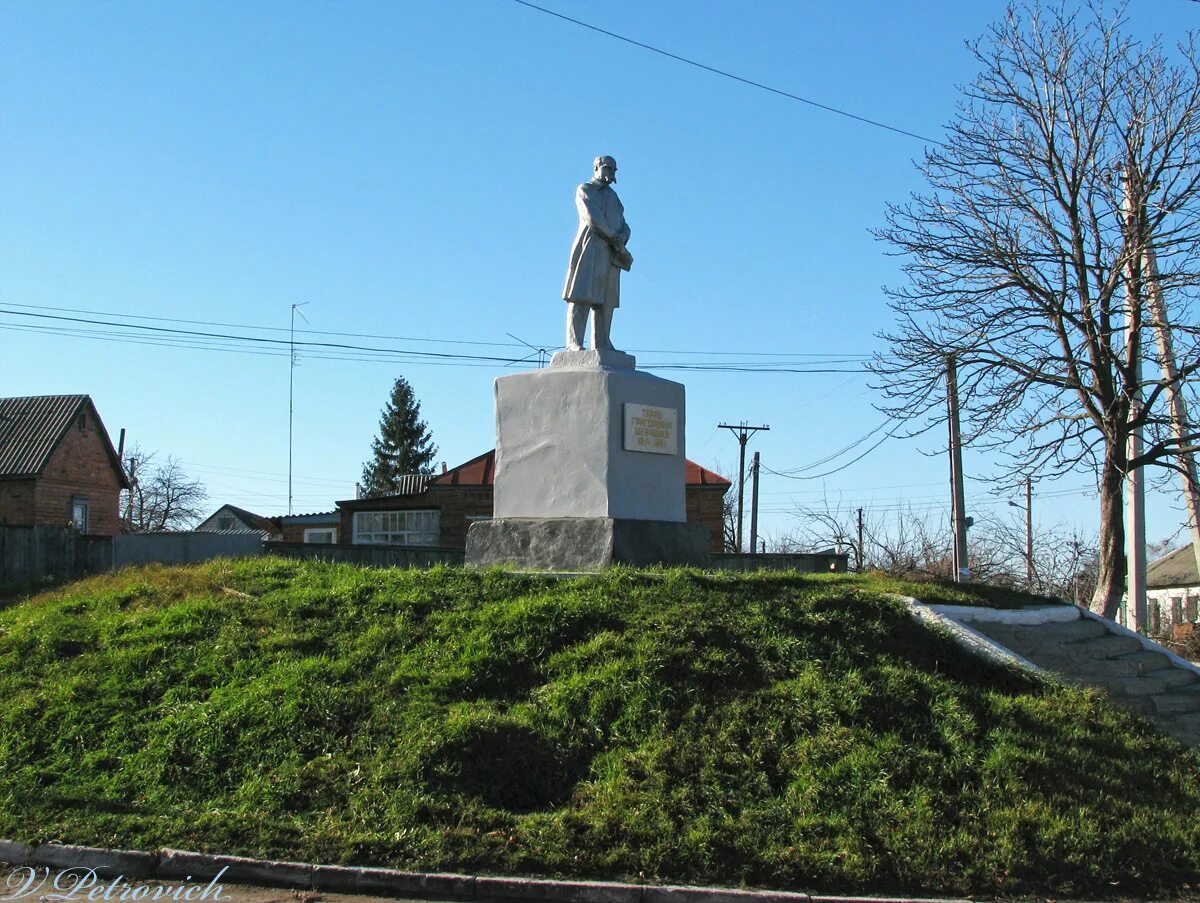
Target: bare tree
1074, 153
917, 545
161, 496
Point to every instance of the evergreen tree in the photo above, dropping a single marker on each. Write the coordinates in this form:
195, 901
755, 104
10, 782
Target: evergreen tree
403, 445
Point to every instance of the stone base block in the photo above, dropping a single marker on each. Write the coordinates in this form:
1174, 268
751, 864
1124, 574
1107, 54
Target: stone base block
568, 444
584, 543
592, 358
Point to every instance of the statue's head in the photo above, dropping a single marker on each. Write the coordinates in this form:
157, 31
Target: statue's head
605, 168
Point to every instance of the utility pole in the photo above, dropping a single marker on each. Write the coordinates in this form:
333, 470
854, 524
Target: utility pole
858, 557
754, 506
1135, 489
291, 393
743, 434
1180, 424
1029, 534
133, 482
958, 510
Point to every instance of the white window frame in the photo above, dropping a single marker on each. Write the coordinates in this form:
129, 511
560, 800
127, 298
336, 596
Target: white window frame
311, 532
80, 503
404, 527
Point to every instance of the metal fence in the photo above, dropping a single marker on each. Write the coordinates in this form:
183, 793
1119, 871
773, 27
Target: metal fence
808, 563
183, 548
369, 556
31, 555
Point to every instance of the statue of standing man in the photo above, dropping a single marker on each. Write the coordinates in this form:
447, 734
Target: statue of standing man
597, 258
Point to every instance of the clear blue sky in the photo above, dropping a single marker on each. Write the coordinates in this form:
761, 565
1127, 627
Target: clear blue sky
407, 169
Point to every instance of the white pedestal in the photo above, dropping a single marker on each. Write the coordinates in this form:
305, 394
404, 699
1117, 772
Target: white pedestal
590, 437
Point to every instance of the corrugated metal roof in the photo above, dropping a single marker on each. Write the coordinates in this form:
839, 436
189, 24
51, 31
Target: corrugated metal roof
30, 429
255, 523
1176, 568
412, 483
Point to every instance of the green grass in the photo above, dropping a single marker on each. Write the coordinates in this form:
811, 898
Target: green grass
773, 730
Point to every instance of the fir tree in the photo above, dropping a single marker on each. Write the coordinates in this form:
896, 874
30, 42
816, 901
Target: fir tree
403, 445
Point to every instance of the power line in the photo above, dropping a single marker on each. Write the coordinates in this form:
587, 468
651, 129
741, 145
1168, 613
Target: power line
141, 333
725, 74
840, 356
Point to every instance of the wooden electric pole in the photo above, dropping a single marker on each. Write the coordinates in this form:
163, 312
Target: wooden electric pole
743, 434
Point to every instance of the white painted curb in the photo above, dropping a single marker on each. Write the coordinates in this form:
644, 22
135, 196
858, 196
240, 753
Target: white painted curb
1022, 617
972, 641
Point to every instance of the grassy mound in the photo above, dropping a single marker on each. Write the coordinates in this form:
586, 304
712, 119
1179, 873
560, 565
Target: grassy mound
774, 730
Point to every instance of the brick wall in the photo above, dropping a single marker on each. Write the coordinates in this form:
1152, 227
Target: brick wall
458, 504
80, 467
16, 503
704, 507
455, 504
295, 532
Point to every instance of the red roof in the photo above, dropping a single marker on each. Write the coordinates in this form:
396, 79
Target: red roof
481, 471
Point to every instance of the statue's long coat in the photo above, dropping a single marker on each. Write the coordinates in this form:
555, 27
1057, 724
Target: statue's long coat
593, 277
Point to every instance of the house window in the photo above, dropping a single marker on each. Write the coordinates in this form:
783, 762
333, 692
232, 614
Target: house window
401, 528
79, 514
320, 534
224, 523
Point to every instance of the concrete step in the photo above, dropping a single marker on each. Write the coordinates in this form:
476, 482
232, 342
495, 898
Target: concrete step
1175, 678
1143, 705
1177, 702
1149, 661
1084, 652
1108, 646
1184, 728
1069, 631
1093, 669
1024, 639
1134, 686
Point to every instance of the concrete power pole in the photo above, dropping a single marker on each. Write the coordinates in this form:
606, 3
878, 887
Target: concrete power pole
743, 434
1180, 424
858, 558
754, 506
958, 510
1135, 489
1028, 534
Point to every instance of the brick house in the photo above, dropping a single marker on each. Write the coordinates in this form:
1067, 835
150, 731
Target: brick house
437, 509
320, 526
58, 465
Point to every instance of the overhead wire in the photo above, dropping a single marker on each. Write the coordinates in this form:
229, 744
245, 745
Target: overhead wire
726, 74
142, 333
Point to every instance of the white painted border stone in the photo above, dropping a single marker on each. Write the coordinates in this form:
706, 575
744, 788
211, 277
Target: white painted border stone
670, 894
390, 882
238, 869
540, 889
130, 863
971, 640
972, 614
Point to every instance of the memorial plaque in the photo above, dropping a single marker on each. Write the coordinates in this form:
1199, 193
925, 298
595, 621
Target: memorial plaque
651, 429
